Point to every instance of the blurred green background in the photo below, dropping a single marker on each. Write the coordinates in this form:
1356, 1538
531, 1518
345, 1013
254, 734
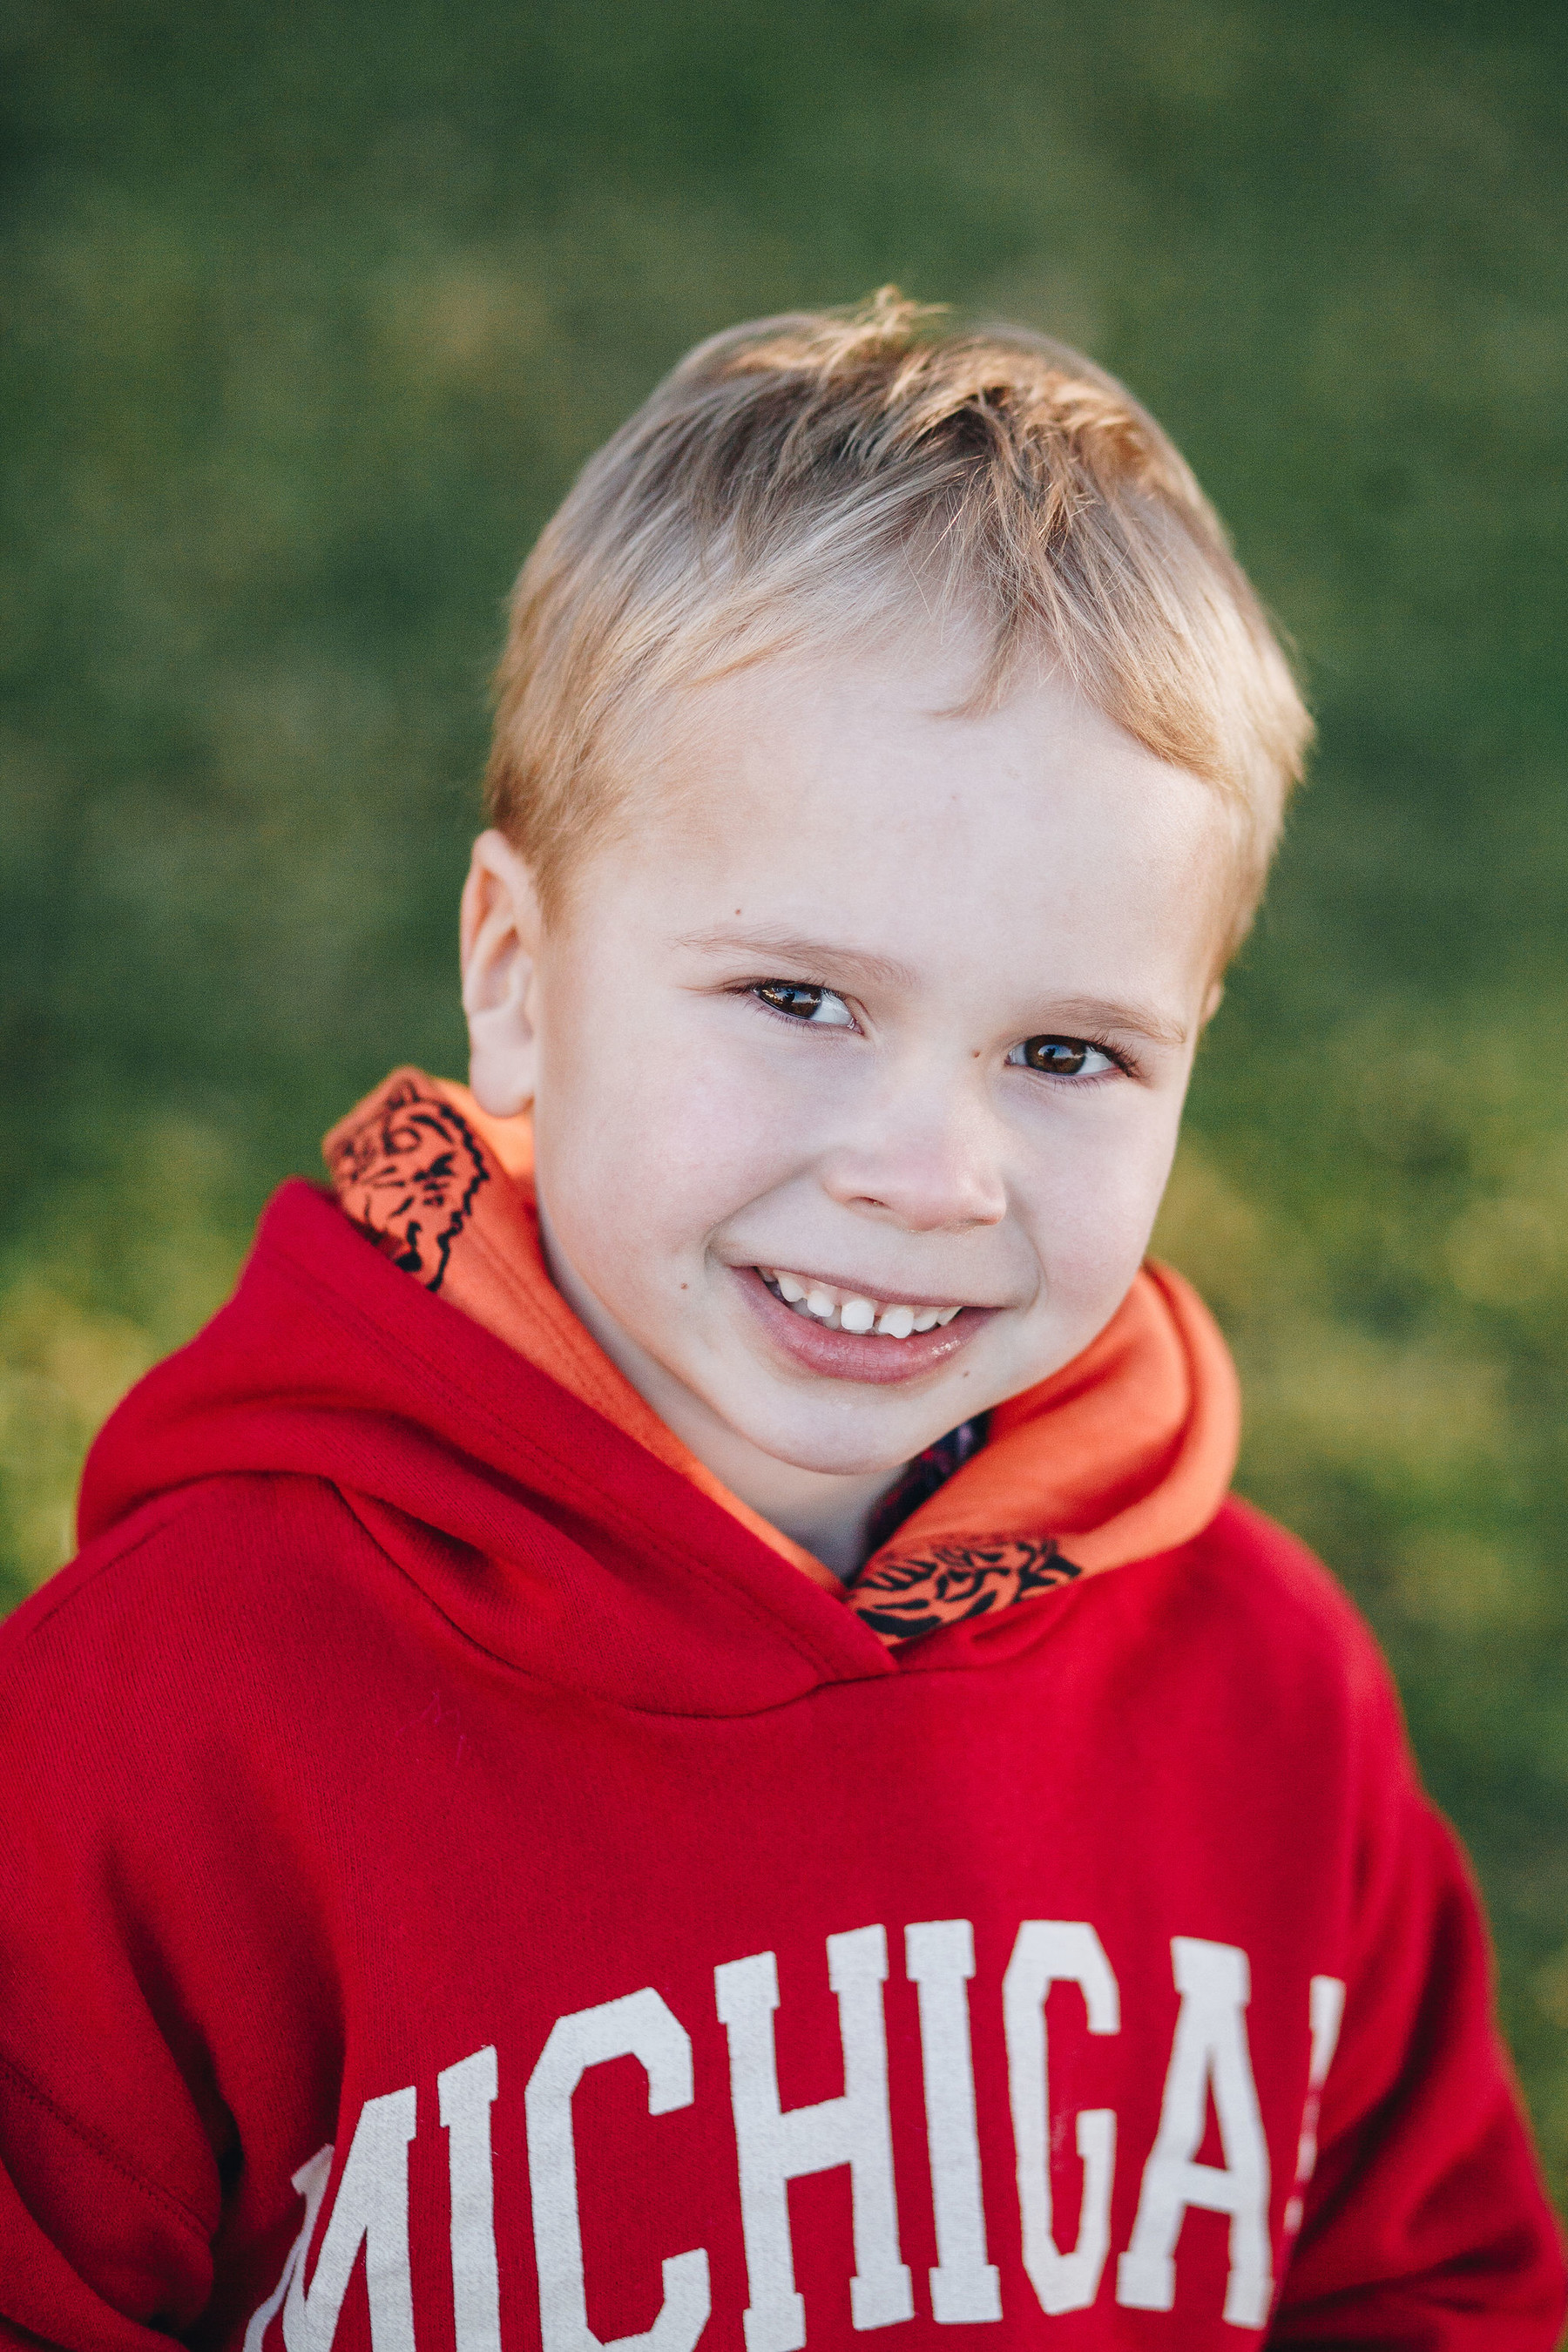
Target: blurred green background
311, 316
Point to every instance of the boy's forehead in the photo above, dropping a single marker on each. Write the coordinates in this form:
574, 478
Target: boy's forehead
857, 787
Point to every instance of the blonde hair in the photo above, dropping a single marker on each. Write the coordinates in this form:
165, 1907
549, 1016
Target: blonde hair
806, 480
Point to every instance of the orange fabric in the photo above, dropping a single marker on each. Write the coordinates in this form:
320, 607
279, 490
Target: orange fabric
1126, 1452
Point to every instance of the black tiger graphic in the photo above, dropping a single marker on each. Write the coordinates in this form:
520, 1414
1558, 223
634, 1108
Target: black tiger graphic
901, 1597
408, 1175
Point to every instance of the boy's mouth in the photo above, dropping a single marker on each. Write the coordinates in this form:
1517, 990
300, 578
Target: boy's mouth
836, 1310
851, 1335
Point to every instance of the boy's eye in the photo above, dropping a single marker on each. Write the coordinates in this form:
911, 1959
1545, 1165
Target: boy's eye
1062, 1058
819, 1005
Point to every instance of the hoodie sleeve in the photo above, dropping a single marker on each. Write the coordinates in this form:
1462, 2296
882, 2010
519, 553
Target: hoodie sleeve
109, 2182
1425, 2224
119, 2267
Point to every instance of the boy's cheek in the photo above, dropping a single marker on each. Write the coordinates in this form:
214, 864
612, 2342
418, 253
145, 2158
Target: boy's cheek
635, 1192
1091, 1196
670, 1135
1090, 1236
1084, 1283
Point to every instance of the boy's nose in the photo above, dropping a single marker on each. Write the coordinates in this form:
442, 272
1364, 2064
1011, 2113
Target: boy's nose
928, 1174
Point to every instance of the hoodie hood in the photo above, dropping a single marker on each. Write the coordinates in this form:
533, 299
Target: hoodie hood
548, 1538
404, 1342
1127, 1451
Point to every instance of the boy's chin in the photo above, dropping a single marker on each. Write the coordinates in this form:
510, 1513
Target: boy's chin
849, 1448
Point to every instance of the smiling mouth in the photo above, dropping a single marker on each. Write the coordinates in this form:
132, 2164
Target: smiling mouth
838, 1309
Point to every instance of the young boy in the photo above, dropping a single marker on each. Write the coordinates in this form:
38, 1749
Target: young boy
664, 1733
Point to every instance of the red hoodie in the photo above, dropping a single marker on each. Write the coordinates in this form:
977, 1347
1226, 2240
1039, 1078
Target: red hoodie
463, 1889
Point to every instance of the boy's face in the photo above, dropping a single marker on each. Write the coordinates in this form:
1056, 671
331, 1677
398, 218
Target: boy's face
879, 1005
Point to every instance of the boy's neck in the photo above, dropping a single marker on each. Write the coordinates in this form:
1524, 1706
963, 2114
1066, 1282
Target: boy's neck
828, 1514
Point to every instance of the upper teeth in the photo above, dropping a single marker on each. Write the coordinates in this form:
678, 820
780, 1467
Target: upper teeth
846, 1311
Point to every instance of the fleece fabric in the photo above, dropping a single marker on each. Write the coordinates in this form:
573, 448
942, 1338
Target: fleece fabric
461, 1889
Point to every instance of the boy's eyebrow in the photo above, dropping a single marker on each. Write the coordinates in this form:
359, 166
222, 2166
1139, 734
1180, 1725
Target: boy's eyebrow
1072, 1012
886, 972
1095, 1012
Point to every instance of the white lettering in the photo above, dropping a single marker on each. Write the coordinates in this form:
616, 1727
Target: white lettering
775, 2148
310, 2183
939, 1956
1326, 2008
369, 2210
1210, 2052
467, 2093
637, 2026
1049, 1952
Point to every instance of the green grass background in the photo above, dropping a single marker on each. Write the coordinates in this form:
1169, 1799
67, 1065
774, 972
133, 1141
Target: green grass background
311, 315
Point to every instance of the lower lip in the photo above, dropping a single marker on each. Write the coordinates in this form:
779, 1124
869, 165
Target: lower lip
853, 1355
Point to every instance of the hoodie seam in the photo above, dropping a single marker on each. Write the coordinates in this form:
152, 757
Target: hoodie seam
187, 1490
590, 1497
103, 2149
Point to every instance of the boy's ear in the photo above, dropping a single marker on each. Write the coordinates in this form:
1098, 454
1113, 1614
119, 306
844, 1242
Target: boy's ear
500, 931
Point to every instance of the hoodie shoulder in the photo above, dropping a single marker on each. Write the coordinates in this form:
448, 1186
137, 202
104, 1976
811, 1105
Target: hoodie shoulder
1269, 1575
221, 1561
1269, 1606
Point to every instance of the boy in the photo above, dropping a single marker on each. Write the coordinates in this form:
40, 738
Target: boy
670, 1737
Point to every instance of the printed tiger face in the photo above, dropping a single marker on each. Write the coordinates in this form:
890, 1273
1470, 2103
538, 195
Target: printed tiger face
408, 1176
903, 1595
